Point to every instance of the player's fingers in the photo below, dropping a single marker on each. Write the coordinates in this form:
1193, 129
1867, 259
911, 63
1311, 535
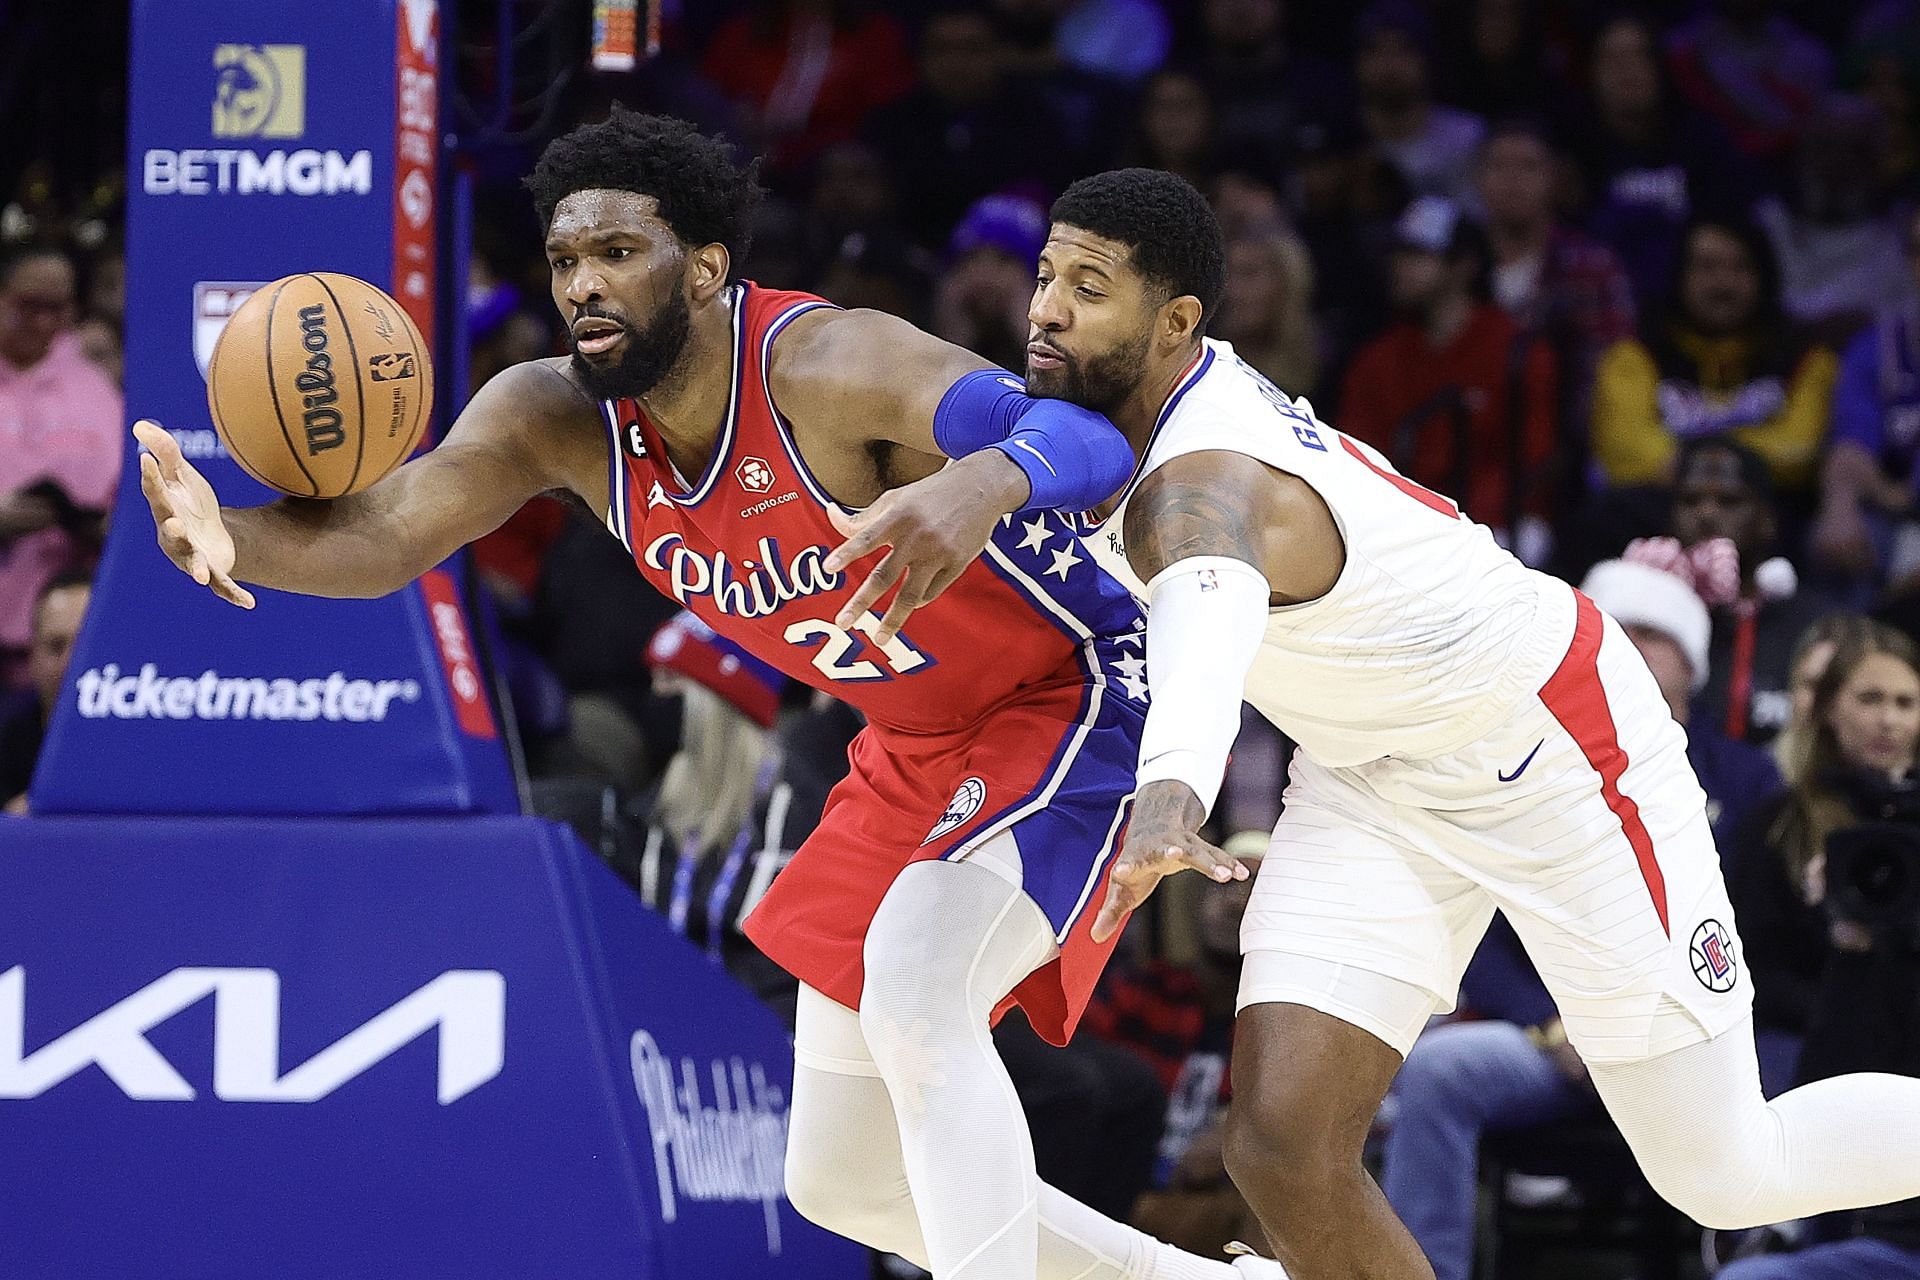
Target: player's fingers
1215, 864
154, 488
884, 575
865, 532
1113, 911
173, 538
905, 601
160, 443
230, 591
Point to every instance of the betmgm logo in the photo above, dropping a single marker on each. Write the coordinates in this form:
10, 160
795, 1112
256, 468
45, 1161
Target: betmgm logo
259, 90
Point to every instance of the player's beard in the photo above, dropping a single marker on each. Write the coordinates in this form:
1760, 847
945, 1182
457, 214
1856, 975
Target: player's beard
648, 356
1100, 382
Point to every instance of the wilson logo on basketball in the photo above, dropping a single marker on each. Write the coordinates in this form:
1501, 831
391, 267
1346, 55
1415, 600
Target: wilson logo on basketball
754, 475
321, 421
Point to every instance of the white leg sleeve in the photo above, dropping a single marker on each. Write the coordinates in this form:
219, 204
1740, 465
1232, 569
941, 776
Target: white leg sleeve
1727, 1158
852, 1143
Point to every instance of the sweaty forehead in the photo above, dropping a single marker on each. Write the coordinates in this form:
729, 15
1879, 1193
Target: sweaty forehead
598, 211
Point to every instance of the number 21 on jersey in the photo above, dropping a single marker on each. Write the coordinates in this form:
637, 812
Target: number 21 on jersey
836, 658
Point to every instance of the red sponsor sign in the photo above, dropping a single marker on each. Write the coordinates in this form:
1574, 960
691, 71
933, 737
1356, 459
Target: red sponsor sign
450, 636
415, 158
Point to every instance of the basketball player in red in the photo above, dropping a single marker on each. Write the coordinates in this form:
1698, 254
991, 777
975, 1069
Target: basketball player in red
726, 433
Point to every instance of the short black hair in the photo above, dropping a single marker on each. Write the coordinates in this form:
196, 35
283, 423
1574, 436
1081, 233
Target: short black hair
705, 195
1163, 220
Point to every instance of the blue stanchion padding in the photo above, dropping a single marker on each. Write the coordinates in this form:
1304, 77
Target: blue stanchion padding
245, 1048
266, 140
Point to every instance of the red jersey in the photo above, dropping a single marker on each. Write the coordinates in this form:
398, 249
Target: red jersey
743, 546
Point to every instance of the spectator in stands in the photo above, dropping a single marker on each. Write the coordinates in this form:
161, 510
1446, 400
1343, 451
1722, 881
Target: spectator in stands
852, 192
62, 434
1513, 1068
1724, 490
1431, 146
1549, 277
1267, 309
1838, 246
1752, 71
57, 616
1496, 60
1867, 524
967, 131
1454, 392
1817, 646
1720, 360
880, 269
1883, 66
1264, 89
1179, 1018
1646, 164
981, 300
808, 73
1175, 128
1864, 723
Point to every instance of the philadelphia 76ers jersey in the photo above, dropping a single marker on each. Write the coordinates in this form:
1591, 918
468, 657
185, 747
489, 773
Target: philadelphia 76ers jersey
744, 545
1432, 633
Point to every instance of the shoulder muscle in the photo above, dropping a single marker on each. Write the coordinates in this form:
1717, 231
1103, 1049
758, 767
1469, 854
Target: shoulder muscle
870, 376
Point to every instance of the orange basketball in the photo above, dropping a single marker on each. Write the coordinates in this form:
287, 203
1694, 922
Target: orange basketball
320, 385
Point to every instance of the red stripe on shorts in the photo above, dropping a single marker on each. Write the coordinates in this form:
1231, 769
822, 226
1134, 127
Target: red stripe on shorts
1578, 701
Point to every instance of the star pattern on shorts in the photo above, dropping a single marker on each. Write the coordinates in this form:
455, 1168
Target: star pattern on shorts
1037, 533
1133, 677
1063, 561
1137, 636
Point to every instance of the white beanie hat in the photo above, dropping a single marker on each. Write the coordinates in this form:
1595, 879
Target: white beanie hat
1641, 595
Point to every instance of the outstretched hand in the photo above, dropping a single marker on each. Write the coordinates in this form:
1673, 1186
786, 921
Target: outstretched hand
1162, 839
186, 515
933, 529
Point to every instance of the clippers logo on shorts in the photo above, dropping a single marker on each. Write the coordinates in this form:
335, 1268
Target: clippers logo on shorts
754, 475
214, 302
965, 803
1711, 952
259, 90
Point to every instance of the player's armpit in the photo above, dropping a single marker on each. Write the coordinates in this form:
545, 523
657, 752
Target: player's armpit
1218, 503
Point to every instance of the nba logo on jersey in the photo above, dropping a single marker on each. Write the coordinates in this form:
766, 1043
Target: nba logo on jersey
1712, 956
1209, 580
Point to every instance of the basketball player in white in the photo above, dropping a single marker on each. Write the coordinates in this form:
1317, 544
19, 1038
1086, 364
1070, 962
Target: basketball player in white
1472, 735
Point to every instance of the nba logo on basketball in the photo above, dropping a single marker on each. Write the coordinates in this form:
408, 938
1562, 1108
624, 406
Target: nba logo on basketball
259, 90
754, 474
1711, 955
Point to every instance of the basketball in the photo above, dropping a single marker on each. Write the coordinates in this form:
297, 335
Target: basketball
320, 385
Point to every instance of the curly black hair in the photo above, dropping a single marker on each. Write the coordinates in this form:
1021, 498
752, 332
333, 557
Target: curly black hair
1169, 226
704, 195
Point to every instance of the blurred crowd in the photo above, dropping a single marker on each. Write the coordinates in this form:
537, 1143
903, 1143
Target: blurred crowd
1638, 285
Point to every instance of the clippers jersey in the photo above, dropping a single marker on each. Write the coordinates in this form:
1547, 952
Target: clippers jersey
743, 547
1432, 633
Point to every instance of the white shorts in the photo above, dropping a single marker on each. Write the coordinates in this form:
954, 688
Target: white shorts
1580, 818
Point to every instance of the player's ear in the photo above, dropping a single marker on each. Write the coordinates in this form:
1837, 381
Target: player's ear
707, 271
1180, 319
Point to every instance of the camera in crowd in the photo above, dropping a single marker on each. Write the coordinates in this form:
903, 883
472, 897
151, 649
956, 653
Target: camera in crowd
1873, 868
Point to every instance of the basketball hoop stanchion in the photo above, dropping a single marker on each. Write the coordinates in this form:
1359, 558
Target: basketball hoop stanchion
288, 986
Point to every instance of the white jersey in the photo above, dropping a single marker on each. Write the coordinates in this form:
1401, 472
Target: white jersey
1432, 635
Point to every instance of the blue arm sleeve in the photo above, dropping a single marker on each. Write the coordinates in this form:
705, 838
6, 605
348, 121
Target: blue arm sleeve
1073, 457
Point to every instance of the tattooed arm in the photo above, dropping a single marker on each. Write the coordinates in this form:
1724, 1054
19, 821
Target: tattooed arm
1219, 538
